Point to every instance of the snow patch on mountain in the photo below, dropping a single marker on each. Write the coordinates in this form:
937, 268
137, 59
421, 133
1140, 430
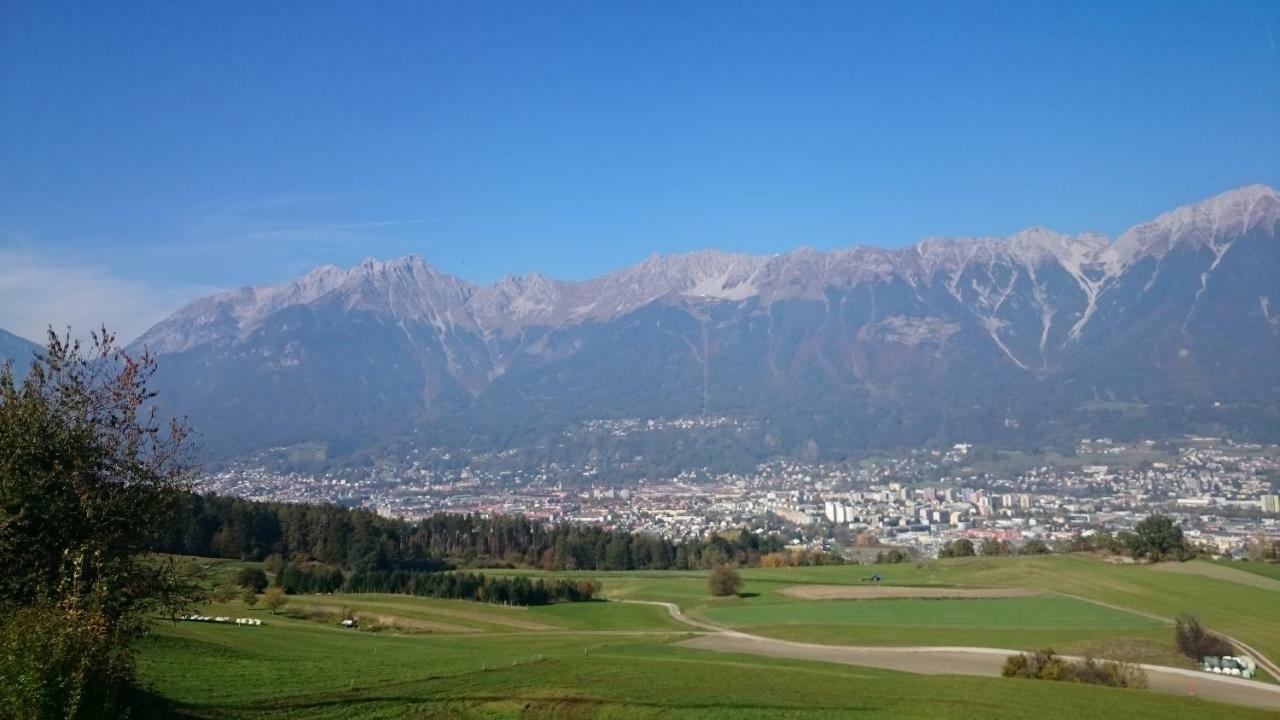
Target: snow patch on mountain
912, 331
1230, 214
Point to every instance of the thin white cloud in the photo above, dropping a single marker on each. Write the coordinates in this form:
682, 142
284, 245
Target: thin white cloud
291, 220
334, 232
37, 292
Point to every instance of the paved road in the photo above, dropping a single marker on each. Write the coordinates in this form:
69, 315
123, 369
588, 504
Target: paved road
962, 661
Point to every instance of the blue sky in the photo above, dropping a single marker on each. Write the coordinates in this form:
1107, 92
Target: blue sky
153, 152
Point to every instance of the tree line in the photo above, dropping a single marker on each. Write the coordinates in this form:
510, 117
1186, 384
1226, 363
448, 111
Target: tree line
313, 577
298, 578
361, 541
507, 590
1156, 538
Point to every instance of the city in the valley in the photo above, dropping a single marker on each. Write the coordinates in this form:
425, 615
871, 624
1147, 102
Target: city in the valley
1224, 493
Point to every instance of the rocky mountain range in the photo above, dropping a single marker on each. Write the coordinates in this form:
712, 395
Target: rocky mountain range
1039, 337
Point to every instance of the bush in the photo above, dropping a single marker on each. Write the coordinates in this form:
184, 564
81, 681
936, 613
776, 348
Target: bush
992, 546
253, 578
62, 664
1015, 666
1195, 642
276, 599
892, 557
588, 589
1045, 665
90, 480
273, 563
774, 560
957, 548
1035, 547
724, 581
1111, 674
223, 593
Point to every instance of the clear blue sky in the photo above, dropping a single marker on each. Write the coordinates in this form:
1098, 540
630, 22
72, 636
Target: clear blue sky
175, 147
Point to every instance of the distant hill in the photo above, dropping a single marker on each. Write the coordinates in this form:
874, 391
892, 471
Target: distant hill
18, 350
1034, 338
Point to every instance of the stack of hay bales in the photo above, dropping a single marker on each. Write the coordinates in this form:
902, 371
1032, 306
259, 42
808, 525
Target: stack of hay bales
1240, 666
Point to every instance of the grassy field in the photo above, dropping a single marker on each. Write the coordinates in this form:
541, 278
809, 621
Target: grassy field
479, 617
1246, 612
1144, 591
440, 658
1065, 624
1269, 570
296, 668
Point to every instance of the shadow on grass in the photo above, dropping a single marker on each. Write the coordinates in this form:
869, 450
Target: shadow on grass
145, 704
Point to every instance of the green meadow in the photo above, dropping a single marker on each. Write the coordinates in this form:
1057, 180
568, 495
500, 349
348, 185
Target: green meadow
1145, 600
1249, 613
300, 669
1263, 569
442, 658
1065, 624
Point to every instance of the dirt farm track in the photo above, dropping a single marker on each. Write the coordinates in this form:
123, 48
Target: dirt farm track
983, 661
960, 661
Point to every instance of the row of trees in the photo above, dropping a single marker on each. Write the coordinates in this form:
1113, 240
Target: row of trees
359, 540
312, 577
893, 556
1155, 538
507, 590
992, 546
797, 558
309, 577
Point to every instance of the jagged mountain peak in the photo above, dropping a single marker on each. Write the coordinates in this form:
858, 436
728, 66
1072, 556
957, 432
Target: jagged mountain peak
702, 273
515, 284
1206, 223
698, 263
409, 288
411, 265
1030, 248
869, 337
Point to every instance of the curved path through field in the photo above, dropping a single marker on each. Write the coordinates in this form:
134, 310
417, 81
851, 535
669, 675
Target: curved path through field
960, 661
